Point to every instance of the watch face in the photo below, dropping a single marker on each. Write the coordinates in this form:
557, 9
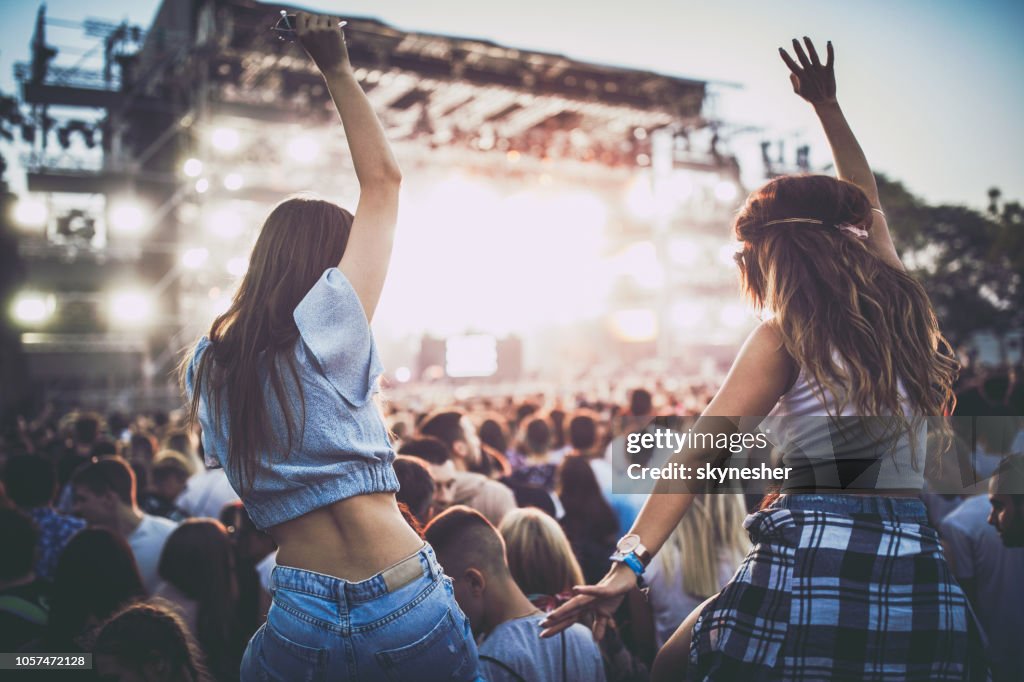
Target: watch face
628, 544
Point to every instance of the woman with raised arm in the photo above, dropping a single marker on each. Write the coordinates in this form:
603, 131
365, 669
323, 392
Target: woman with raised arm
283, 387
836, 585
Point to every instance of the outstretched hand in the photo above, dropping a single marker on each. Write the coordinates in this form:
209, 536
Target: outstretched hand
601, 600
812, 80
321, 36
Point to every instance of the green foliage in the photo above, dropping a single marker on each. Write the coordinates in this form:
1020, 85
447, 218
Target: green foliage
971, 263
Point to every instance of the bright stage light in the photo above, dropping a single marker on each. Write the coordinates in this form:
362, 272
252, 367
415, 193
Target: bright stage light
403, 374
225, 139
635, 325
735, 315
194, 258
640, 198
303, 148
726, 190
238, 266
687, 314
130, 307
33, 308
202, 184
126, 217
233, 182
640, 261
30, 212
193, 168
472, 355
223, 222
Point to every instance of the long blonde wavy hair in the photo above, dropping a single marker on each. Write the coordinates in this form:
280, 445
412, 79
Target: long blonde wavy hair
833, 299
710, 532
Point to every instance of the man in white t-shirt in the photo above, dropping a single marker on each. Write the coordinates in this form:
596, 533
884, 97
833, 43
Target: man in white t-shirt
206, 493
505, 623
103, 493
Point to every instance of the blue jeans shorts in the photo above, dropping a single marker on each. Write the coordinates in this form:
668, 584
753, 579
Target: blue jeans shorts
401, 624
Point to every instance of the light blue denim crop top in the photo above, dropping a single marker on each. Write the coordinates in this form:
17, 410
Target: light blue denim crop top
342, 448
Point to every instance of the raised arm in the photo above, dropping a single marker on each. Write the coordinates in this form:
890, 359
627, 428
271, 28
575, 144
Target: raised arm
368, 253
816, 83
760, 375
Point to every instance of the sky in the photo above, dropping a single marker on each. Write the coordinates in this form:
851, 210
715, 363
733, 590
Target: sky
931, 87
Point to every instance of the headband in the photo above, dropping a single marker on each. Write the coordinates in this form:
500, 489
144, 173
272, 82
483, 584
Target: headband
858, 232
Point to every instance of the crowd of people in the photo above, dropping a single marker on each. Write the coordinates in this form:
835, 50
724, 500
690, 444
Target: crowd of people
269, 530
120, 541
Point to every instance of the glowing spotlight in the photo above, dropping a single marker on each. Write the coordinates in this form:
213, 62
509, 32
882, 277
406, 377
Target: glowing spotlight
303, 148
225, 139
233, 182
687, 314
127, 217
30, 213
130, 307
194, 258
640, 198
735, 315
33, 308
224, 223
471, 355
726, 190
403, 374
238, 266
202, 184
193, 168
635, 325
640, 261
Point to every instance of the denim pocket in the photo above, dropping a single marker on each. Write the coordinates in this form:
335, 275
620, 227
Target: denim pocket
285, 660
441, 654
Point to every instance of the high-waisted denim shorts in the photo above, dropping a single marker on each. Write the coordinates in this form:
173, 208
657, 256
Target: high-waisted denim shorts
325, 628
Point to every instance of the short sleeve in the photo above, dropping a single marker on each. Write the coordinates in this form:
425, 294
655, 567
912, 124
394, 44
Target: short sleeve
333, 325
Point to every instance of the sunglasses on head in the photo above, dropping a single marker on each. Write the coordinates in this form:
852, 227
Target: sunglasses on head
285, 27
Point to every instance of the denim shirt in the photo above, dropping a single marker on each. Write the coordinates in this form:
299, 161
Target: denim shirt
341, 449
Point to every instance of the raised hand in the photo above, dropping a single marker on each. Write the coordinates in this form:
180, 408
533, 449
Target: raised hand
812, 80
323, 40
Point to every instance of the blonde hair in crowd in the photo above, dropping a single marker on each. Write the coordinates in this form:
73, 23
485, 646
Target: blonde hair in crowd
710, 530
534, 540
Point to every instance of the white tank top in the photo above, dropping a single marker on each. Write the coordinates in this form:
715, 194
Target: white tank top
856, 452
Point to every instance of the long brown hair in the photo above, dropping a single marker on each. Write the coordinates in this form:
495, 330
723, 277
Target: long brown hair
300, 239
831, 295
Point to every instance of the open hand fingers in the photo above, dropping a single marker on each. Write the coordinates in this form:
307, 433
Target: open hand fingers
800, 54
811, 52
793, 66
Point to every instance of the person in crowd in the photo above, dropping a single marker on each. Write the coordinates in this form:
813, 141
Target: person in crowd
32, 483
24, 605
438, 459
283, 388
170, 474
455, 430
1006, 497
697, 560
849, 333
990, 573
96, 575
494, 433
252, 547
104, 495
147, 642
416, 487
539, 556
86, 429
589, 521
538, 469
197, 567
502, 617
206, 493
183, 442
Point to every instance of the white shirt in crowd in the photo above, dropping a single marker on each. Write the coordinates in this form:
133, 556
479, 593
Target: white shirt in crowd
147, 542
206, 493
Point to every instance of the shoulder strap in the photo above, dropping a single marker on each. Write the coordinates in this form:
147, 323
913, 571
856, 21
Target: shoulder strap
504, 666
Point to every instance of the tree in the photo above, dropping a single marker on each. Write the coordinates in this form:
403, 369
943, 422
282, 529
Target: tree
970, 263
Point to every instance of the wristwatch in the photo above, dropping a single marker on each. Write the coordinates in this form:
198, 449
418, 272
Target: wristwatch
631, 552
